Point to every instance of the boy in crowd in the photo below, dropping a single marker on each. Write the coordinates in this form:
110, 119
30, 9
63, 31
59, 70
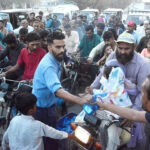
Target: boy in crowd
26, 133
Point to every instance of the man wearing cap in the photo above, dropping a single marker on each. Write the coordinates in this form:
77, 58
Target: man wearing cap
8, 25
136, 70
130, 29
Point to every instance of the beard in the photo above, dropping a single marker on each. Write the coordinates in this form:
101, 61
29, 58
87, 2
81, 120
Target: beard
59, 57
124, 58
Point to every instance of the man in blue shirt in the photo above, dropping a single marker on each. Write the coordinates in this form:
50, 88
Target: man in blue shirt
47, 87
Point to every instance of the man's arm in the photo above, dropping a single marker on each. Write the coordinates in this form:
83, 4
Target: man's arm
72, 98
52, 132
127, 113
96, 50
54, 85
13, 69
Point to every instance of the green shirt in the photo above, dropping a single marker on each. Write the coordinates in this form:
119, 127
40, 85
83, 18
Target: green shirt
86, 45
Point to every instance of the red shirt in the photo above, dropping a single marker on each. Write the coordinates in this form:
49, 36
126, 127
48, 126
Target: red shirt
30, 61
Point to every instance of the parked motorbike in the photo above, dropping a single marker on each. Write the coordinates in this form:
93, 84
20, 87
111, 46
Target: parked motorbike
79, 75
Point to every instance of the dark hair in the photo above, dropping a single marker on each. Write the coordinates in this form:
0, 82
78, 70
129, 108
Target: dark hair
10, 39
89, 27
107, 71
80, 16
101, 25
114, 32
147, 87
32, 36
43, 34
36, 21
39, 17
107, 35
55, 36
1, 21
23, 31
24, 88
104, 48
32, 13
41, 12
25, 101
67, 26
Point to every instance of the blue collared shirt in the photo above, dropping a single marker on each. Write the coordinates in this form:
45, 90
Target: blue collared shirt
49, 23
9, 26
46, 81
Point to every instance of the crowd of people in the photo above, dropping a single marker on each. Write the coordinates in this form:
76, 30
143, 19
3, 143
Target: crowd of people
35, 52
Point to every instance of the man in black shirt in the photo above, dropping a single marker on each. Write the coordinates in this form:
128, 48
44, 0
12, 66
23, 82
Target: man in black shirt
143, 41
12, 52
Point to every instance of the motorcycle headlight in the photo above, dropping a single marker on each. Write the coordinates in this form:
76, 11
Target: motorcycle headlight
82, 135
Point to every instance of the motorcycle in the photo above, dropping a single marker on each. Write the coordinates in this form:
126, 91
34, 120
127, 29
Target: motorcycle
99, 132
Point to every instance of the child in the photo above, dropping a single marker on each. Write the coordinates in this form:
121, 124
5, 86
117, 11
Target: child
26, 133
107, 51
129, 86
146, 51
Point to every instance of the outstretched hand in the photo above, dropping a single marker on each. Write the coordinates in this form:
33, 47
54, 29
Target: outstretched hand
86, 99
89, 90
3, 74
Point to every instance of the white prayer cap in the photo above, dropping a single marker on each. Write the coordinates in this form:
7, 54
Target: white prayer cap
146, 22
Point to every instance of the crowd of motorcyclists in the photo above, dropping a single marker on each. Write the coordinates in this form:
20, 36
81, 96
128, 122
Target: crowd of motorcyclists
35, 52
